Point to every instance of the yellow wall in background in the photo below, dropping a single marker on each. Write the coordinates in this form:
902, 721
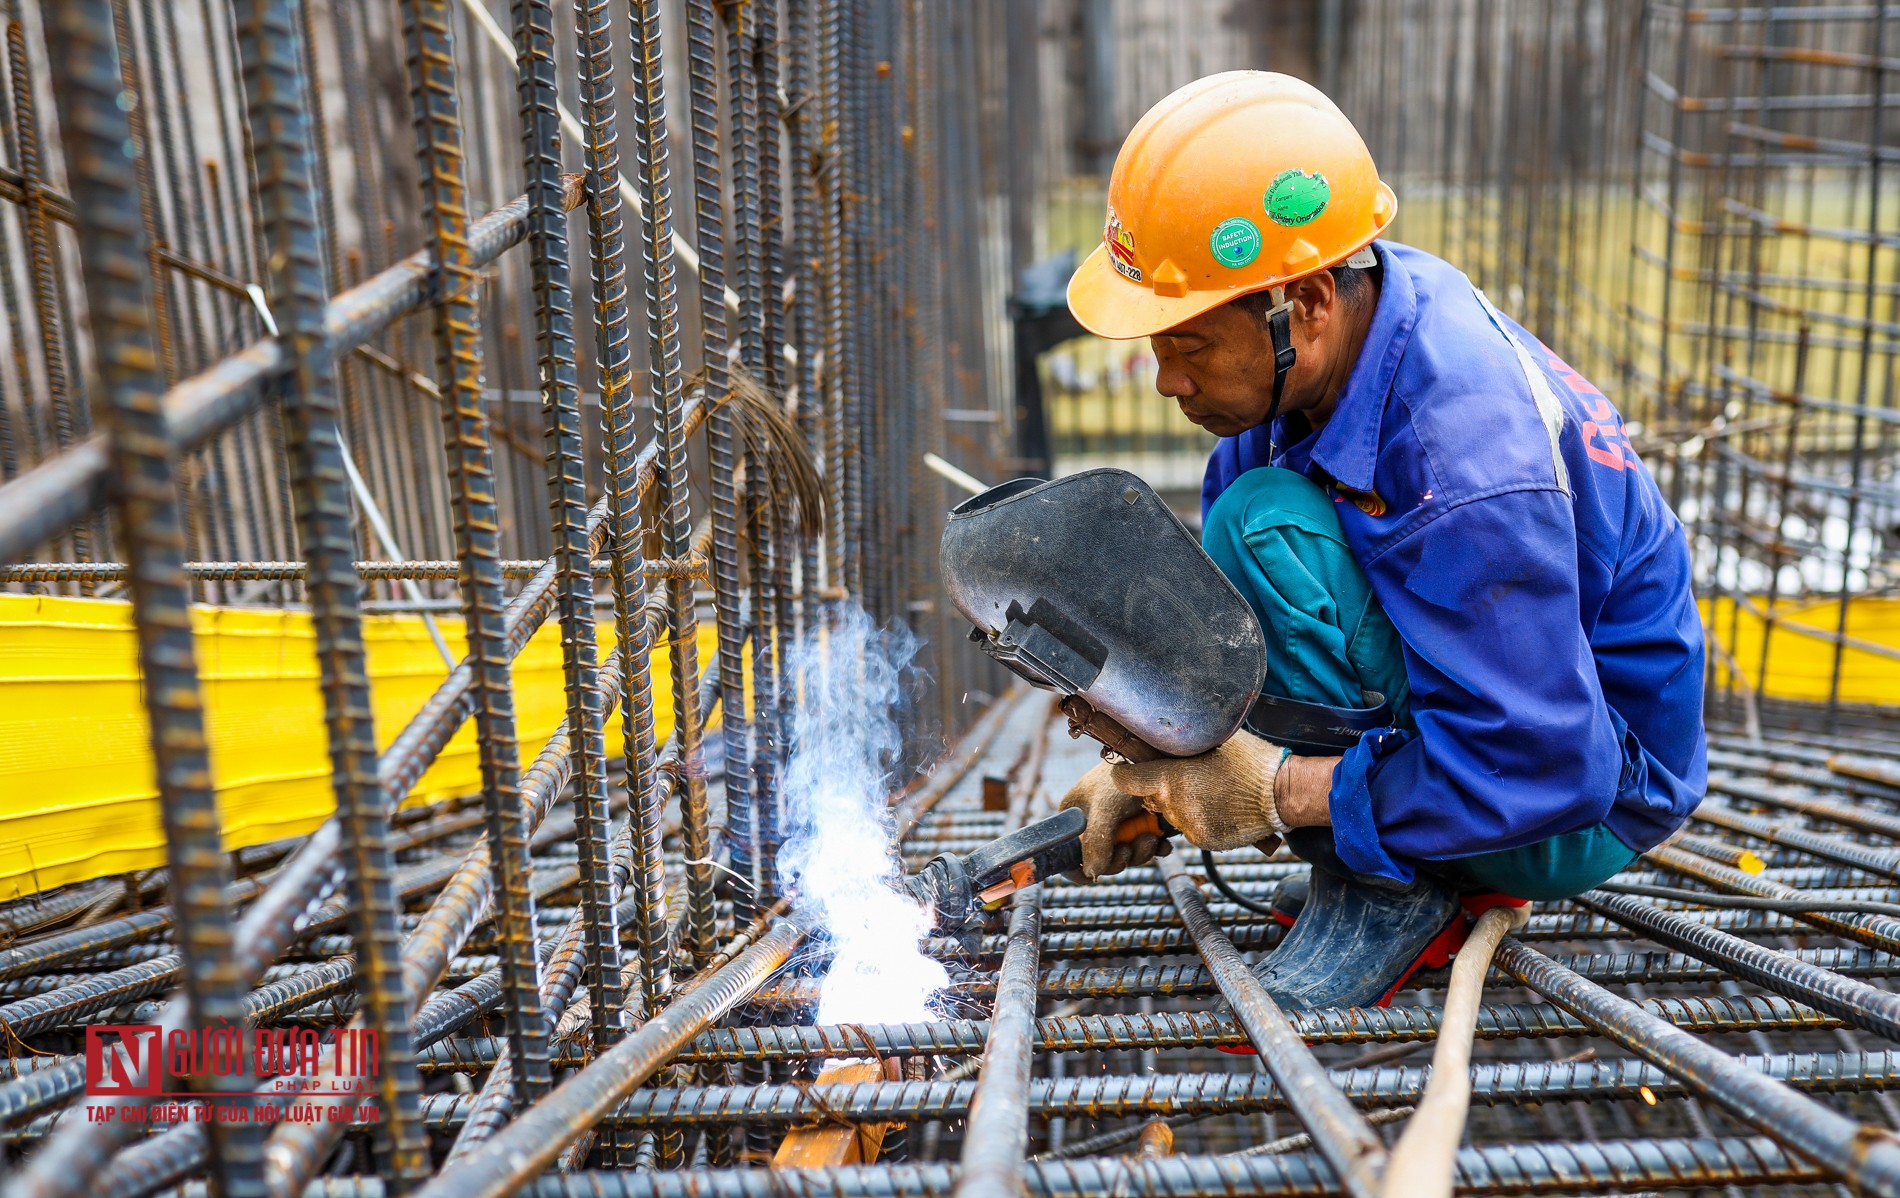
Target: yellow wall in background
77, 795
1802, 666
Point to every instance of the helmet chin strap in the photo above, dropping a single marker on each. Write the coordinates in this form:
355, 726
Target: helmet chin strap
1280, 328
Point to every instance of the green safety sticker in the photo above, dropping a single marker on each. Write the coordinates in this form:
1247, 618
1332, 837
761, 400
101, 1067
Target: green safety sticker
1236, 242
1297, 197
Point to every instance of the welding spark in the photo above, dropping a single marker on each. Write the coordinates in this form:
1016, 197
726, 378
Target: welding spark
839, 858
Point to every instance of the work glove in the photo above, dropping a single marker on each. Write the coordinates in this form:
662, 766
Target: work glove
1220, 800
1106, 809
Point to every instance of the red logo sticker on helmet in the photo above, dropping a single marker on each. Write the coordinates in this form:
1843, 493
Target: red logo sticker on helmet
1121, 246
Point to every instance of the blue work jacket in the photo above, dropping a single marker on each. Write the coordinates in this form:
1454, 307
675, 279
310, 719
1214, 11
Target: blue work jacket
1539, 581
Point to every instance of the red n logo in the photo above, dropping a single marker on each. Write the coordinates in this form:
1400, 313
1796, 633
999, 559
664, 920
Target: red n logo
124, 1059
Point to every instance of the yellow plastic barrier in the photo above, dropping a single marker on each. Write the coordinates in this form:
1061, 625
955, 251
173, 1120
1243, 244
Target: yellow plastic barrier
78, 798
1801, 664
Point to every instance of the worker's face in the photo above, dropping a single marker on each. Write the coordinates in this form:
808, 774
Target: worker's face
1219, 365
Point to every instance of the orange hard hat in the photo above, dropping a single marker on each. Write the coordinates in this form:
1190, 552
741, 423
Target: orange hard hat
1236, 183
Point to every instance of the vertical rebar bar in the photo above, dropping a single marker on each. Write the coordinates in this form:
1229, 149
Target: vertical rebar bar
721, 456
613, 359
280, 137
536, 76
439, 151
101, 163
655, 188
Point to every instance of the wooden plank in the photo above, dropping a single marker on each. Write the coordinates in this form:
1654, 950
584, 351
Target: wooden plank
830, 1144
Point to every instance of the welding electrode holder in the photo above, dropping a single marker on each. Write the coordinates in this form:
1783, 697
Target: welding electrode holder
959, 888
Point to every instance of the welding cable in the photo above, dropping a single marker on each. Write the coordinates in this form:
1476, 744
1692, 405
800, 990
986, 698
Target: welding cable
1233, 896
1425, 1159
1739, 902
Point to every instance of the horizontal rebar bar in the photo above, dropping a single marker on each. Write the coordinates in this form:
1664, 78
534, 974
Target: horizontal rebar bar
1520, 1168
368, 571
1706, 1014
1153, 981
1119, 1096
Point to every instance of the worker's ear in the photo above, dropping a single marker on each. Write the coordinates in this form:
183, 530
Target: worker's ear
1315, 301
1315, 305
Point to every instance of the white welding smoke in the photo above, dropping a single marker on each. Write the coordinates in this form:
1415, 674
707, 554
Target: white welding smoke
838, 856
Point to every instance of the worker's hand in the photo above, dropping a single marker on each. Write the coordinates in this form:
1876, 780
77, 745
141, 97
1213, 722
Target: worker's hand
1106, 809
1219, 800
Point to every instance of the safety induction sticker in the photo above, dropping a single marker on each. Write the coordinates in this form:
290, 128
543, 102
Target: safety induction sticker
1236, 242
1121, 246
1297, 197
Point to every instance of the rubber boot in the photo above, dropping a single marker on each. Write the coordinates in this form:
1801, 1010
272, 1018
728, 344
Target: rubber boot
1353, 944
1289, 899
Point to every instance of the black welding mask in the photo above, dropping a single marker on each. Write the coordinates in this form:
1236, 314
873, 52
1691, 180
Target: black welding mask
1089, 586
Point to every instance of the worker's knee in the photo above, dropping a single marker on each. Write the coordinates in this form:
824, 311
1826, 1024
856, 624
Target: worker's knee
1269, 495
1276, 535
1557, 868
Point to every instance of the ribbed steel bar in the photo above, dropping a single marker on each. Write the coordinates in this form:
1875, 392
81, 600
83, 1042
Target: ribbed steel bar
1866, 1158
1123, 1096
59, 948
804, 122
1495, 1169
1339, 1132
537, 75
751, 820
771, 128
40, 504
828, 151
665, 383
100, 156
693, 567
1708, 1014
44, 271
1558, 1166
741, 21
281, 143
440, 154
29, 439
769, 532
534, 1141
709, 234
1864, 1006
1879, 931
1562, 925
1884, 862
997, 1137
1862, 816
594, 44
853, 286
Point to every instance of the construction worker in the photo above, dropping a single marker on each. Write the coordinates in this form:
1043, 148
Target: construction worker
1440, 526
